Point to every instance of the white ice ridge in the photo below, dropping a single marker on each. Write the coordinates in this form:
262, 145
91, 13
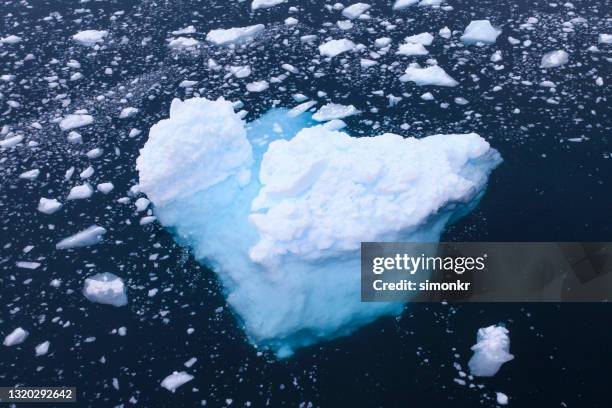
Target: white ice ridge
492, 349
278, 208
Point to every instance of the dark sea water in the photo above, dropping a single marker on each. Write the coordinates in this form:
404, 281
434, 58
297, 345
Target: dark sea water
549, 188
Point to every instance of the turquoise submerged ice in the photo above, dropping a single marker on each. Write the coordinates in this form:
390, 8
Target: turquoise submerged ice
278, 208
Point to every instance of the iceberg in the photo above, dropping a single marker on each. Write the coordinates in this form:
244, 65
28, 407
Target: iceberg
234, 35
554, 59
278, 207
15, 337
492, 349
87, 237
334, 48
89, 38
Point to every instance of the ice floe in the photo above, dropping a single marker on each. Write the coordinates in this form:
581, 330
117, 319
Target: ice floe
554, 59
480, 31
433, 75
334, 48
89, 38
492, 349
105, 288
89, 236
234, 35
175, 380
15, 337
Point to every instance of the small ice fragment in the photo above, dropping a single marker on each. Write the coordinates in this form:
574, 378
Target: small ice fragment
183, 43
80, 192
490, 351
16, 337
27, 265
355, 10
42, 348
480, 31
89, 236
141, 204
402, 4
605, 38
11, 141
175, 380
10, 39
30, 174
410, 49
128, 112
234, 35
301, 108
423, 39
334, 111
105, 188
502, 399
554, 59
333, 48
433, 75
90, 37
105, 288
70, 122
262, 4
48, 205
257, 86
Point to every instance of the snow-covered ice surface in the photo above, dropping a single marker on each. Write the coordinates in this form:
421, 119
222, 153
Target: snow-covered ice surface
551, 125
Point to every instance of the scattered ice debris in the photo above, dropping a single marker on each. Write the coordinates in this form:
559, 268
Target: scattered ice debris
80, 192
257, 86
501, 398
480, 31
353, 11
89, 236
433, 75
75, 121
332, 111
333, 48
234, 35
42, 348
402, 4
300, 208
89, 38
492, 349
48, 205
16, 337
262, 4
105, 288
554, 59
175, 380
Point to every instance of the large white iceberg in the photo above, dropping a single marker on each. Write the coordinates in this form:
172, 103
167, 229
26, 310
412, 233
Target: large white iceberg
278, 208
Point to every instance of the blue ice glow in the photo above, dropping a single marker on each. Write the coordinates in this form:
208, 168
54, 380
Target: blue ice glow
278, 208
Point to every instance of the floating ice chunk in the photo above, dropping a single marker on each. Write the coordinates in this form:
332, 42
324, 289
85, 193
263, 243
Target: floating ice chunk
30, 174
187, 84
332, 111
290, 21
409, 49
234, 35
175, 380
183, 43
490, 351
141, 204
382, 42
423, 39
402, 4
75, 121
11, 141
80, 192
105, 188
89, 38
433, 75
301, 108
445, 32
480, 31
48, 205
605, 38
28, 265
10, 39
261, 4
355, 10
333, 48
257, 86
16, 337
431, 3
187, 30
281, 238
501, 398
105, 288
89, 236
42, 348
128, 112
554, 59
